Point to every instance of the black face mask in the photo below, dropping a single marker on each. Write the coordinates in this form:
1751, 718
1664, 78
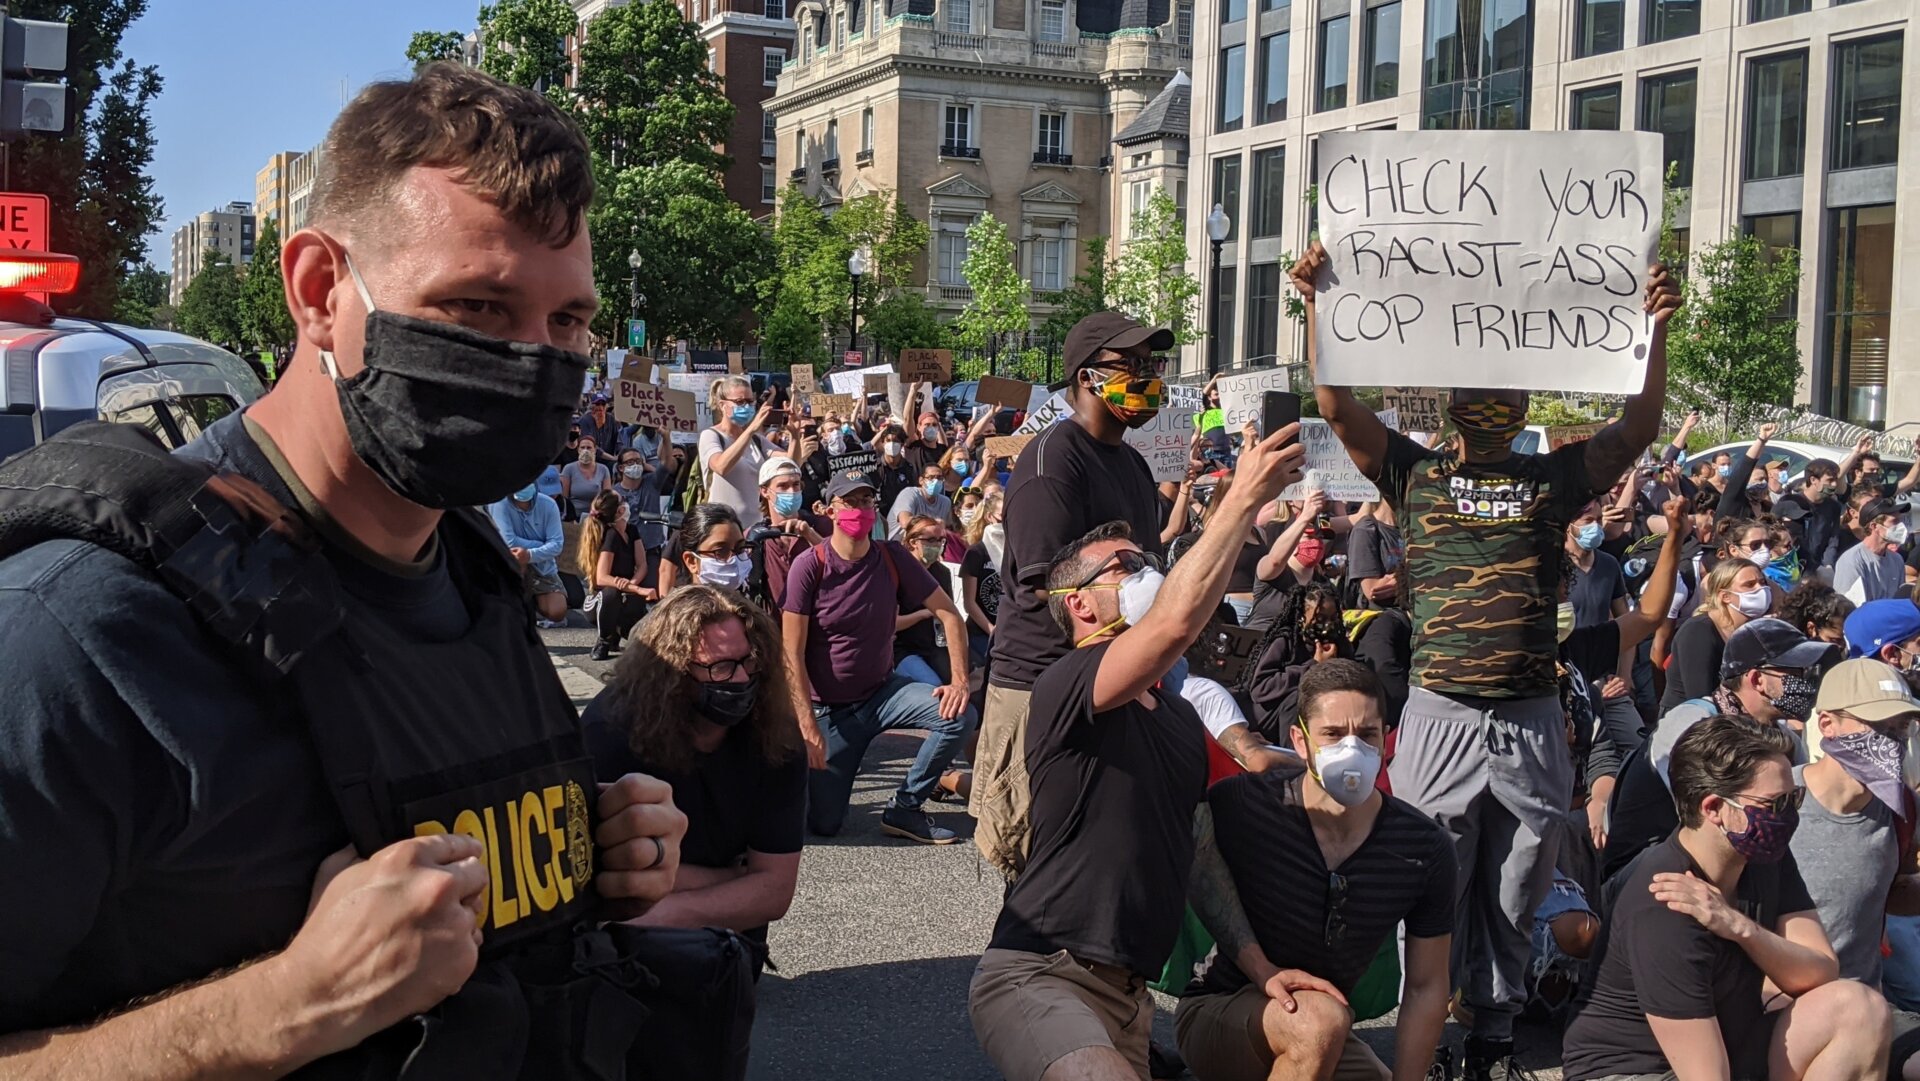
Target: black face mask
449, 417
727, 704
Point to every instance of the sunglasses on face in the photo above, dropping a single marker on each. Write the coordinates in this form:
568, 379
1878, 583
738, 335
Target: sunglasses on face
1128, 561
1786, 801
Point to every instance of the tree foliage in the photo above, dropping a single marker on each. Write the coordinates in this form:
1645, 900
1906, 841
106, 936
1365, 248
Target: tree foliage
791, 335
902, 320
210, 307
703, 261
646, 93
142, 296
1732, 346
428, 46
265, 322
103, 203
1087, 293
524, 42
811, 249
998, 307
1150, 280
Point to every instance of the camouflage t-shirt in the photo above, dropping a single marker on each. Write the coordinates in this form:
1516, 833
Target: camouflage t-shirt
1483, 545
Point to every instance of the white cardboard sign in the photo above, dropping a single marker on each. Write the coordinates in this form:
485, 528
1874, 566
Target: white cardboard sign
1162, 441
855, 382
1487, 259
1240, 395
696, 384
1329, 468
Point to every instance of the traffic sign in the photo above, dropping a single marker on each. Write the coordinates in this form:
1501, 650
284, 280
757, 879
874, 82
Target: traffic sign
853, 358
23, 221
636, 334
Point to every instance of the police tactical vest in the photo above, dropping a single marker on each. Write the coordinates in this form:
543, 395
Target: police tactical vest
487, 745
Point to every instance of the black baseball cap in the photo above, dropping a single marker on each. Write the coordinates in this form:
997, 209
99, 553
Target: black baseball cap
1774, 643
1108, 330
1878, 508
848, 481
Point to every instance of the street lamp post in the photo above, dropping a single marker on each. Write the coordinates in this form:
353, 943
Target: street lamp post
857, 266
633, 283
1218, 225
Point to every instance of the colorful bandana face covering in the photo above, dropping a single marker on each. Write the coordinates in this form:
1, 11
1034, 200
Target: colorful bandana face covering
1487, 426
1133, 399
1875, 760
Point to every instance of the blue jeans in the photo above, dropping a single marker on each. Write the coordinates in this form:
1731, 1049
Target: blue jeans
848, 729
1900, 974
918, 671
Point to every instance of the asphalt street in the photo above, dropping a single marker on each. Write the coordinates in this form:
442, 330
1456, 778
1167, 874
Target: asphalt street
874, 958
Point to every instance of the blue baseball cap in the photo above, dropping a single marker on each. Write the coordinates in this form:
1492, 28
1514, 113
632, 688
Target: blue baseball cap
1877, 624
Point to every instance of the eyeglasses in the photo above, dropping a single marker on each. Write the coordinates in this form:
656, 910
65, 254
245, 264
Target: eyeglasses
738, 401
1786, 801
723, 670
857, 502
1129, 561
1336, 929
725, 553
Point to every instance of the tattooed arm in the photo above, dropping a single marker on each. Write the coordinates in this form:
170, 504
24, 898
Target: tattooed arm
1210, 891
1251, 751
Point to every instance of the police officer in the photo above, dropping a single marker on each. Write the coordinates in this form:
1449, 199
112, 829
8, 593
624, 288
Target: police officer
193, 717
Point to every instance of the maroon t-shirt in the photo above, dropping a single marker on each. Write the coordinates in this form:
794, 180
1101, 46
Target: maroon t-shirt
850, 610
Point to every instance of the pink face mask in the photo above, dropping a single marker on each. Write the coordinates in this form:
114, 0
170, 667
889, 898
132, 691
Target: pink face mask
855, 522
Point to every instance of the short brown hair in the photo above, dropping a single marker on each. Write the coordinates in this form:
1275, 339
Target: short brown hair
507, 144
1718, 757
1334, 675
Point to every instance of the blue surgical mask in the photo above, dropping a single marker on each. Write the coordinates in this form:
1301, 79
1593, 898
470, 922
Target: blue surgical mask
742, 414
962, 468
1724, 470
1590, 536
787, 503
935, 486
525, 495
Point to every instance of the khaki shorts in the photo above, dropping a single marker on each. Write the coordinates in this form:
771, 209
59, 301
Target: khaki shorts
1029, 1011
1002, 796
1222, 1039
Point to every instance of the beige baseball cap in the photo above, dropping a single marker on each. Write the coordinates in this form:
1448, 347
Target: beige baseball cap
1865, 688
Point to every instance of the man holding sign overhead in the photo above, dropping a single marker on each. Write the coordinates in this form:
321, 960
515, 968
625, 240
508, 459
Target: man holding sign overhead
1482, 742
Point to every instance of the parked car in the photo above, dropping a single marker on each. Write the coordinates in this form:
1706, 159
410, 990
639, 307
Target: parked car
1797, 455
957, 403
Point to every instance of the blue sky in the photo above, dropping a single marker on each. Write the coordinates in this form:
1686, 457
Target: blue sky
245, 81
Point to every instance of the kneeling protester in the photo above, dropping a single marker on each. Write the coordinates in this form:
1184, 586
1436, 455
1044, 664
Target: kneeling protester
1302, 879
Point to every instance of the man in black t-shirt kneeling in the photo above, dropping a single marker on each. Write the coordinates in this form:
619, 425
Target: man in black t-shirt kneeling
1302, 878
1699, 922
1117, 764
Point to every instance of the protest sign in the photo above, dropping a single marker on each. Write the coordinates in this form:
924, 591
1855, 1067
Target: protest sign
1006, 446
1487, 259
1240, 395
1421, 409
707, 360
1011, 393
1041, 417
803, 386
616, 361
855, 382
737, 362
874, 383
843, 406
695, 386
1163, 441
1329, 466
926, 366
639, 402
1561, 434
863, 460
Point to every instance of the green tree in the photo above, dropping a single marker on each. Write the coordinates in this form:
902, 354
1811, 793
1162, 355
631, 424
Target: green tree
210, 307
142, 295
903, 321
791, 335
998, 307
428, 46
703, 261
265, 322
524, 42
1732, 346
1150, 281
1087, 294
646, 94
893, 238
810, 256
103, 203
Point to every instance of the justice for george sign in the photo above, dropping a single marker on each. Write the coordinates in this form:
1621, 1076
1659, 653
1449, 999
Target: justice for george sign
1487, 259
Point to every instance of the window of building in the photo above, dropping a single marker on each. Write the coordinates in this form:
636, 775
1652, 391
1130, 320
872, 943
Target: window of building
1859, 318
1232, 11
1272, 103
1277, 5
1233, 88
1380, 53
1476, 64
1596, 109
839, 29
806, 43
771, 61
1759, 11
1866, 103
769, 187
952, 250
1269, 190
957, 134
713, 61
1780, 233
1139, 193
1263, 313
1599, 26
866, 129
831, 146
769, 135
1225, 283
960, 16
1183, 23
856, 14
1052, 142
1776, 116
774, 9
1665, 20
800, 149
1047, 258
1226, 191
1667, 106
1053, 20
1333, 62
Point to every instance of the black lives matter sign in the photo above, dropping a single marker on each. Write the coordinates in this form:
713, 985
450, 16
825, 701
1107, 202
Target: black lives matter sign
1487, 259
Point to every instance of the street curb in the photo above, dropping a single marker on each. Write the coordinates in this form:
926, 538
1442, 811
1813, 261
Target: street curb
581, 687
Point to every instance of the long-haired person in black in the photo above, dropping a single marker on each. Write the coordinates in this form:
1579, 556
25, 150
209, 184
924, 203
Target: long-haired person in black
702, 701
611, 547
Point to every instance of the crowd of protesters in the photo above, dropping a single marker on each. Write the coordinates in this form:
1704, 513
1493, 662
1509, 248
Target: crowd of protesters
1529, 734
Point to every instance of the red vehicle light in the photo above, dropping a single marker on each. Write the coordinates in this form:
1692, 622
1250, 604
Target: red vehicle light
38, 272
